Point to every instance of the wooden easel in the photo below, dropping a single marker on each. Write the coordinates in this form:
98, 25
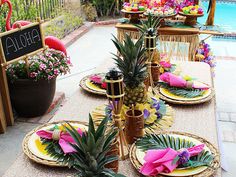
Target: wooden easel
2, 117
6, 114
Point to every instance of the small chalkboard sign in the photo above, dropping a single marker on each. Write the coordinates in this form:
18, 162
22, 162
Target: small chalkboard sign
21, 42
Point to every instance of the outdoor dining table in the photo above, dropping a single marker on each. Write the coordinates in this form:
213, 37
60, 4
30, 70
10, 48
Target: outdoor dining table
196, 119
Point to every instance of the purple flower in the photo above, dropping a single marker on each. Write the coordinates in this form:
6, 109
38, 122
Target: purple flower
146, 113
108, 111
155, 104
183, 157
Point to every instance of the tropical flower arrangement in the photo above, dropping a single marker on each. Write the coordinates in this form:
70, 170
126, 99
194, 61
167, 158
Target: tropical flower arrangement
204, 54
45, 65
153, 110
192, 10
161, 11
98, 80
167, 66
134, 7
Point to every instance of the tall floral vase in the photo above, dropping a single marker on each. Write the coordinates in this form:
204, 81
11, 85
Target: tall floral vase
32, 98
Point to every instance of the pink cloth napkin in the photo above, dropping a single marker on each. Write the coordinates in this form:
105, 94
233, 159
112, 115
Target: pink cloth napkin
64, 139
177, 81
161, 160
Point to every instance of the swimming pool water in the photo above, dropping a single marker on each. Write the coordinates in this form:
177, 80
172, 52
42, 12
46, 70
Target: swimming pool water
225, 15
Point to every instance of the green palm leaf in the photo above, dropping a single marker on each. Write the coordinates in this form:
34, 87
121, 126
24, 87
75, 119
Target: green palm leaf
183, 92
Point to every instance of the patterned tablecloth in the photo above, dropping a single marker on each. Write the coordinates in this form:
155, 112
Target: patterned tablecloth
196, 119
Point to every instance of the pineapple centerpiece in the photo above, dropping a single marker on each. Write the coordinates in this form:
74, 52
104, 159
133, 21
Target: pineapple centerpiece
131, 61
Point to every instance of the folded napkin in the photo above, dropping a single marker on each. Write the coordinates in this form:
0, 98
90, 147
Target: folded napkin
178, 81
64, 138
162, 160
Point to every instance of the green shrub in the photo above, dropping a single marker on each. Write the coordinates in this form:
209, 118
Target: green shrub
62, 26
106, 7
20, 11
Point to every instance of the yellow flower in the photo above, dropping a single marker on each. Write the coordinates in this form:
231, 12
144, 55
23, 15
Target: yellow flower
162, 70
148, 112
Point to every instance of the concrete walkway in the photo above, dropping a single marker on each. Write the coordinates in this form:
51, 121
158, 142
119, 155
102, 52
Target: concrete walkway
90, 51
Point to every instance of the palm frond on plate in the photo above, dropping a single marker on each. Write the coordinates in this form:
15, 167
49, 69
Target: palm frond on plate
153, 141
55, 151
183, 92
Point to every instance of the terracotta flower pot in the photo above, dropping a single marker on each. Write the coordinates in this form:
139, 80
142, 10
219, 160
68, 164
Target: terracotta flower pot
155, 69
114, 151
134, 125
32, 98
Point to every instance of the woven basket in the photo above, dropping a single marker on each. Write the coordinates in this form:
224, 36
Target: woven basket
206, 173
86, 88
36, 158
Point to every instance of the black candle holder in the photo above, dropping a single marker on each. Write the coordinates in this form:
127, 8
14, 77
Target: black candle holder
115, 95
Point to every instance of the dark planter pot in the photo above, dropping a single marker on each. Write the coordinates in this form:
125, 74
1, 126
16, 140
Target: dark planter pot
30, 98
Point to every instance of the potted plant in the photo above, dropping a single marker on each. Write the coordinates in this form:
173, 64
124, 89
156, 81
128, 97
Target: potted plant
32, 87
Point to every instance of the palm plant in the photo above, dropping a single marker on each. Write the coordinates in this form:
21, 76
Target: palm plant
92, 148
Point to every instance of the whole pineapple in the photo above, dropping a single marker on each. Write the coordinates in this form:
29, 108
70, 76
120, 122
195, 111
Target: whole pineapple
92, 150
132, 63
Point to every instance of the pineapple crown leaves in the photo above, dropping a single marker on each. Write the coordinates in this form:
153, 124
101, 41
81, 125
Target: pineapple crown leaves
92, 149
150, 25
132, 62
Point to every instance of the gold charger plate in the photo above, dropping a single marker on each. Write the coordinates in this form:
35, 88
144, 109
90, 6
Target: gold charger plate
136, 157
164, 123
33, 148
171, 98
88, 86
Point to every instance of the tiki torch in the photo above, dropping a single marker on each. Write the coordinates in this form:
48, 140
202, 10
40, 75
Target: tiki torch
115, 95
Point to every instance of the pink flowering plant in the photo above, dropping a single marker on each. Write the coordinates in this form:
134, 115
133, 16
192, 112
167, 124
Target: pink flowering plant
45, 65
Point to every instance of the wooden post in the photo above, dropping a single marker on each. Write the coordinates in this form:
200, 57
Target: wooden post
211, 16
3, 123
5, 92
